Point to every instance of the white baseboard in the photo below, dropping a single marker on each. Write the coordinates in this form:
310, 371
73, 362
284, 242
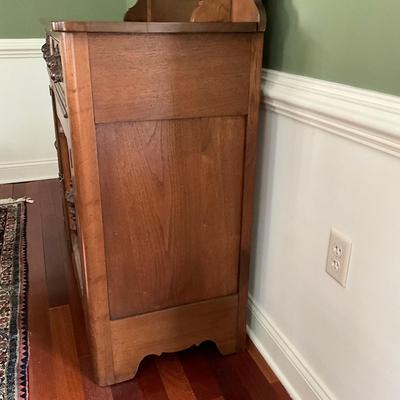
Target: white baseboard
28, 171
363, 116
300, 381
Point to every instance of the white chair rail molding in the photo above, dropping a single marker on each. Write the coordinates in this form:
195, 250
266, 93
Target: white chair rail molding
328, 158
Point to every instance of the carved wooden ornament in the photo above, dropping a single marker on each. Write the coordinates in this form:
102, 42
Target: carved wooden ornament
212, 11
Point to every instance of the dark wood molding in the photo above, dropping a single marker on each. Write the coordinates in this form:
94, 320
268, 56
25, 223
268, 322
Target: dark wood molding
153, 27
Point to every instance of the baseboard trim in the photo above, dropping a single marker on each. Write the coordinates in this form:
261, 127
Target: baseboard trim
21, 48
365, 117
300, 381
28, 171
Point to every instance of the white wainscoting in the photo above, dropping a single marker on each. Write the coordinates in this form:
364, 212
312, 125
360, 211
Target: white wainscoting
367, 117
328, 157
26, 131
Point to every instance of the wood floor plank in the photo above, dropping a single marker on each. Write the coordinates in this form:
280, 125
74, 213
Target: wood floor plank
252, 378
261, 363
82, 344
150, 380
266, 370
203, 382
42, 382
6, 191
65, 358
174, 378
92, 391
71, 286
127, 390
231, 386
279, 388
54, 243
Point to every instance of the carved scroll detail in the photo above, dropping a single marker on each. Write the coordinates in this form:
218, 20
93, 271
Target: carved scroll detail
212, 11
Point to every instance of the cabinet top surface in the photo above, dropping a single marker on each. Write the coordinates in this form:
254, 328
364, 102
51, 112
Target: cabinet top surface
152, 27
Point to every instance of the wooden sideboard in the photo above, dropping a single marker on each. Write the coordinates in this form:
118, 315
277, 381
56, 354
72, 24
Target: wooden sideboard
156, 131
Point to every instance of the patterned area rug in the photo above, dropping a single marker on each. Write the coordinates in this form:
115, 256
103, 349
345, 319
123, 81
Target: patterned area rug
14, 349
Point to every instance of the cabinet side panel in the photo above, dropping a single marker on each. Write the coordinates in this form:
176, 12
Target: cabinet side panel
171, 195
169, 76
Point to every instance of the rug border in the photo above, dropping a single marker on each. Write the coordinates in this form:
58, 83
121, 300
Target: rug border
18, 366
23, 357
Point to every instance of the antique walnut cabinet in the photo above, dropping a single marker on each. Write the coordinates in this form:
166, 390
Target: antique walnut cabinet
156, 125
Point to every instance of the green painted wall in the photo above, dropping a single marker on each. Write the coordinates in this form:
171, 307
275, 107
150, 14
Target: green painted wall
356, 42
21, 18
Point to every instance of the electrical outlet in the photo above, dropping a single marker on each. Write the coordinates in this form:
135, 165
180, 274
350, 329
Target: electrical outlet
339, 251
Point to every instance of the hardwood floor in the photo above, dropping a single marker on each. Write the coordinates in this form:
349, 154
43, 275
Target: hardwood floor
59, 361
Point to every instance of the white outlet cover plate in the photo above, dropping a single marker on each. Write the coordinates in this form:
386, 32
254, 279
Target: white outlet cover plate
338, 261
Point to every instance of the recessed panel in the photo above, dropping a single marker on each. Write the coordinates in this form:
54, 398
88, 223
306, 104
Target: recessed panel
169, 76
171, 200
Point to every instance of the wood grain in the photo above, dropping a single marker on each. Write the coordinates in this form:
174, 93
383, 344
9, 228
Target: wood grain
75, 58
281, 391
248, 183
153, 27
246, 10
261, 363
126, 390
42, 381
252, 378
150, 381
172, 10
211, 376
197, 369
195, 11
212, 11
139, 12
159, 87
231, 386
174, 378
179, 185
162, 150
177, 328
53, 237
65, 359
91, 389
161, 10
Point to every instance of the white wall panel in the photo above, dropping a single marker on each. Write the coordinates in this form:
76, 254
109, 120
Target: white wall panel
26, 133
327, 342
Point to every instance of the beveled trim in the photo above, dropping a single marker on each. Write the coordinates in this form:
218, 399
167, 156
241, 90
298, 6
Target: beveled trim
153, 27
366, 117
21, 48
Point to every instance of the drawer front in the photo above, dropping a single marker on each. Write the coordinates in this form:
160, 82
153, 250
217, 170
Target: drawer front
154, 77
